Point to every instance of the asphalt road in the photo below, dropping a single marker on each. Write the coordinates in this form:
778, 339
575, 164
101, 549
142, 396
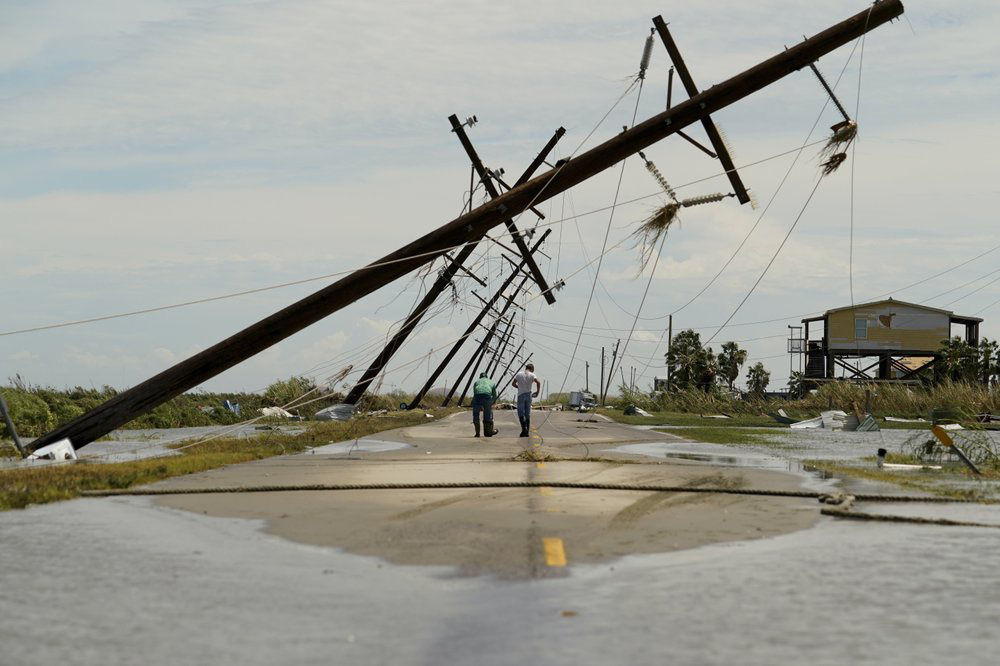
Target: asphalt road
518, 532
434, 577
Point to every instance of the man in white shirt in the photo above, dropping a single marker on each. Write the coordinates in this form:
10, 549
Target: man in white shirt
523, 383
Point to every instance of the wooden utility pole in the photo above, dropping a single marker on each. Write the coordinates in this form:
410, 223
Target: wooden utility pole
611, 371
10, 427
586, 377
721, 150
504, 378
670, 342
478, 356
501, 349
600, 394
472, 327
486, 179
509, 363
469, 227
440, 284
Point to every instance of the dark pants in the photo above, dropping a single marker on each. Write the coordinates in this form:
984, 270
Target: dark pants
484, 403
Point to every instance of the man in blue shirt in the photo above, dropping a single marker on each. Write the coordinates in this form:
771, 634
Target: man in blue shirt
484, 394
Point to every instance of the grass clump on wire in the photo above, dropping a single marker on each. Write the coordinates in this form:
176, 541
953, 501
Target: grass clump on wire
649, 233
41, 483
835, 150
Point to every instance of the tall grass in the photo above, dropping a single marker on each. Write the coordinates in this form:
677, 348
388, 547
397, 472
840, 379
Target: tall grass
904, 401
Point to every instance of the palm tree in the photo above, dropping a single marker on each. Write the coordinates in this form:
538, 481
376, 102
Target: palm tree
691, 365
731, 360
757, 379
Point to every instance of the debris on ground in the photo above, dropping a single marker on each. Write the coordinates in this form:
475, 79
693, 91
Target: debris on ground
715, 416
61, 450
781, 417
897, 419
338, 412
276, 412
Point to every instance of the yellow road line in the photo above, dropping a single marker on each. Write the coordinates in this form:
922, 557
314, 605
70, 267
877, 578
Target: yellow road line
539, 465
555, 554
544, 490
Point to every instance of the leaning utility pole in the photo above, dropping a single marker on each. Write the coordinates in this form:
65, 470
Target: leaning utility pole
502, 384
494, 363
441, 283
480, 353
477, 357
469, 227
486, 179
611, 371
509, 363
472, 327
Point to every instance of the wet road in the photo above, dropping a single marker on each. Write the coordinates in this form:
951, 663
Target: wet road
126, 580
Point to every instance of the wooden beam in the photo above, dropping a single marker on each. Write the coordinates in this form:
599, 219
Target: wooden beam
710, 129
254, 339
484, 176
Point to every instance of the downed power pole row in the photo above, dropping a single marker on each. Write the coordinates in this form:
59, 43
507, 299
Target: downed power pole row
469, 227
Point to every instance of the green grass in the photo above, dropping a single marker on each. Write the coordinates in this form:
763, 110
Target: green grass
696, 420
39, 484
930, 481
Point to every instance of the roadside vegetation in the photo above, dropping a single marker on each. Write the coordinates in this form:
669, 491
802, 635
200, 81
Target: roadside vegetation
36, 410
965, 382
49, 482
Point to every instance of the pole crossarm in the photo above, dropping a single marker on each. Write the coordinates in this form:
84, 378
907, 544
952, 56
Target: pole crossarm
472, 326
721, 150
444, 279
468, 227
515, 235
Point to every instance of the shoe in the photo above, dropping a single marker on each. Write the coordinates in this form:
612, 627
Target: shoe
490, 431
524, 433
476, 424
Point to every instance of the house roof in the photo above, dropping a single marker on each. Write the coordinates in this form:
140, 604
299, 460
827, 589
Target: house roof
952, 315
889, 300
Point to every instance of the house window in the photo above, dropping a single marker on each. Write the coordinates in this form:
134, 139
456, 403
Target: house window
861, 328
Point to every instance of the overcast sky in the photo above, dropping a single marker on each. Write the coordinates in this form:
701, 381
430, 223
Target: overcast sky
154, 152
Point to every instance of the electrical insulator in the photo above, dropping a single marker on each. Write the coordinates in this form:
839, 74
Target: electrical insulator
647, 52
704, 199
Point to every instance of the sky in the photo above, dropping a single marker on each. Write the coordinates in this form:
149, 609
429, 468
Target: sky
156, 152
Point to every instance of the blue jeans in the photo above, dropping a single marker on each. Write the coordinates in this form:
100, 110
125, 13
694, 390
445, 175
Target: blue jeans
524, 406
484, 403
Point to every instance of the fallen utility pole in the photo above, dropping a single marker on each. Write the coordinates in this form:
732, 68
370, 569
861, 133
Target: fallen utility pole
440, 284
721, 150
471, 226
502, 384
501, 349
477, 358
509, 363
472, 327
484, 176
10, 427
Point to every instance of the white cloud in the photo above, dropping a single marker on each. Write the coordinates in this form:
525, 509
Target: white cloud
163, 151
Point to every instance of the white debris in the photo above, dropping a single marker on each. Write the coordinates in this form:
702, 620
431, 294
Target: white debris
338, 412
277, 412
61, 450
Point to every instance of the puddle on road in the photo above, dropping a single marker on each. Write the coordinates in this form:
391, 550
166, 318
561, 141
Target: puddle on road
364, 445
711, 454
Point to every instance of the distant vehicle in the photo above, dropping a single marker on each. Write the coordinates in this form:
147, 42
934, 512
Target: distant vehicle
582, 400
